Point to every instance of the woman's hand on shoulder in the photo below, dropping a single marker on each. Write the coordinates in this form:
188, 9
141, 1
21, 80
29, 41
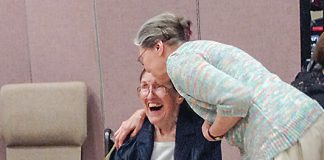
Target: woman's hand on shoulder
132, 124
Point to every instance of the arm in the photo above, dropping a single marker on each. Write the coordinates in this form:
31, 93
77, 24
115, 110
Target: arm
132, 124
194, 76
207, 83
220, 126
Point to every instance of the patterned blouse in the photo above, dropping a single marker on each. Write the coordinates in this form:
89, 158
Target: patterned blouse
220, 79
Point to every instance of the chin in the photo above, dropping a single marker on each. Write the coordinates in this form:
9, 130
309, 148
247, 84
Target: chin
154, 120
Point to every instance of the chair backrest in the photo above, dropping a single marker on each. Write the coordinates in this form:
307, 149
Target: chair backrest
44, 120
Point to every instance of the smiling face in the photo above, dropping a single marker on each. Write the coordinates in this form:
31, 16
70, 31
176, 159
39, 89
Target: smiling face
161, 101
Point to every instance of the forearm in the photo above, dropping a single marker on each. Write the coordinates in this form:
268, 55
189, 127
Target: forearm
222, 124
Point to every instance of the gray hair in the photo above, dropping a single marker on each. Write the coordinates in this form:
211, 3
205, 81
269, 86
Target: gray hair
166, 27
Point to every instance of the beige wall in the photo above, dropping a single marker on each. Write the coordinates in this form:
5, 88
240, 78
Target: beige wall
91, 40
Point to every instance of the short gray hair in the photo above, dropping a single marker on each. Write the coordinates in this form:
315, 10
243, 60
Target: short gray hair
166, 27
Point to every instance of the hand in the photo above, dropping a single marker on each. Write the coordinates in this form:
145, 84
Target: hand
204, 128
219, 127
132, 124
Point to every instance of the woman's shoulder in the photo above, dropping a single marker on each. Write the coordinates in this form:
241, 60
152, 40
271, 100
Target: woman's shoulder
130, 148
188, 114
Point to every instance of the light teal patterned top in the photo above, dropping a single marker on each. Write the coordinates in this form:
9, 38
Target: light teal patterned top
220, 79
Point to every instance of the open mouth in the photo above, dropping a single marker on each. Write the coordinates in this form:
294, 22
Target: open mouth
155, 107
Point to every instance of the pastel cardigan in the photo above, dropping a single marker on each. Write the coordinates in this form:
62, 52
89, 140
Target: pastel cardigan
216, 78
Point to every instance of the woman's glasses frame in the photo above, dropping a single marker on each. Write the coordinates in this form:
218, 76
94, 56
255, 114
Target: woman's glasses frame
158, 90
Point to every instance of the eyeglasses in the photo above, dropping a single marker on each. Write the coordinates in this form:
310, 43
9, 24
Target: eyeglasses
140, 57
158, 90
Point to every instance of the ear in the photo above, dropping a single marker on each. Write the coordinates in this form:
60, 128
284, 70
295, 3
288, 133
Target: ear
179, 99
159, 47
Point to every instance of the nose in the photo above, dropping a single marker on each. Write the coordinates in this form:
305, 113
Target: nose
151, 93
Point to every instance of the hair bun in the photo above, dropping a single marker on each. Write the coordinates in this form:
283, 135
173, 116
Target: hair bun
186, 24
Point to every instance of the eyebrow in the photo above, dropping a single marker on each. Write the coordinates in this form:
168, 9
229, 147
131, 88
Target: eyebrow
155, 83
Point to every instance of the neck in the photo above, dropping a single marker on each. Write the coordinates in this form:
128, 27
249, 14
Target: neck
170, 49
165, 132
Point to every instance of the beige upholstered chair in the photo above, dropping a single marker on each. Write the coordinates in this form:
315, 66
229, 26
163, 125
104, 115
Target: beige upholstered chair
44, 121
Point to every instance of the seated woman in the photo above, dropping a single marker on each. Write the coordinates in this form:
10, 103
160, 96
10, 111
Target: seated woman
170, 131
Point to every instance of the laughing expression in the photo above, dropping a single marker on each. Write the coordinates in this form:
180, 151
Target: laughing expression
160, 110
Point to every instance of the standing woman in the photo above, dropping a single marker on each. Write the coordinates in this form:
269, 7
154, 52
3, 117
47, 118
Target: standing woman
237, 96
